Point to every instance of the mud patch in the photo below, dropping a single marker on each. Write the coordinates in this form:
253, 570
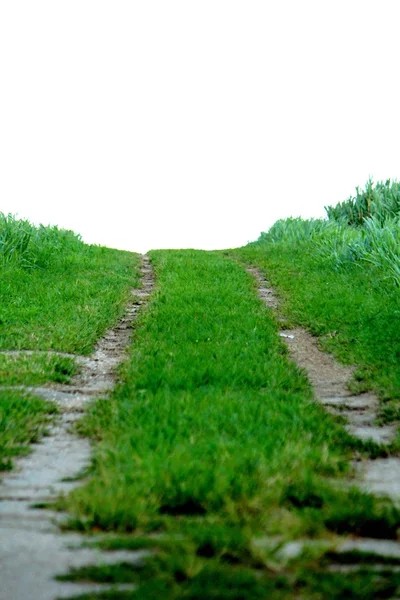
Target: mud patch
33, 549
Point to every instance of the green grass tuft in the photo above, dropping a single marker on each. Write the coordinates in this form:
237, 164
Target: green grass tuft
23, 421
35, 369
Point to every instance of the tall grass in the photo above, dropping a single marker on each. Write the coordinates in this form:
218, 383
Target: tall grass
380, 202
56, 291
384, 246
25, 245
342, 282
295, 230
363, 230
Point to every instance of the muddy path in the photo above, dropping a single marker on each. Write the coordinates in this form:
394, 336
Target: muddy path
33, 550
330, 381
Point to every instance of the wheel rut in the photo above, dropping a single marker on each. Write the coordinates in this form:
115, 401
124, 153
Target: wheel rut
330, 381
33, 549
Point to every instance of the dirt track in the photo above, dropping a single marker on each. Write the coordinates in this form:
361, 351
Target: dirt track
33, 549
329, 379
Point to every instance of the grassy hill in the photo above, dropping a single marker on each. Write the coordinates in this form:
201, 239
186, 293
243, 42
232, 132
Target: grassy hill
212, 445
340, 278
56, 294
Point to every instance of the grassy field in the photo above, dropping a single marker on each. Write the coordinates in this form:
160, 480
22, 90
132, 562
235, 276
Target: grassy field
56, 294
212, 450
213, 445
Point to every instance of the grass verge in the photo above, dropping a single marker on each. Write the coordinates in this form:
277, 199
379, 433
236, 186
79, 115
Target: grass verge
355, 313
67, 306
56, 293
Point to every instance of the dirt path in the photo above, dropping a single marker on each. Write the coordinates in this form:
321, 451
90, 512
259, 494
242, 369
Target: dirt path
33, 550
329, 379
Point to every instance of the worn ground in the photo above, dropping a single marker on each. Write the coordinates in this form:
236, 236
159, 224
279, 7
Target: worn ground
330, 380
33, 549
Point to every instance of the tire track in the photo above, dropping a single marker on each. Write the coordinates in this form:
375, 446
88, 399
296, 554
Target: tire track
33, 549
330, 380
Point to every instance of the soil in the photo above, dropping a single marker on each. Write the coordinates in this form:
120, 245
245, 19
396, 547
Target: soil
33, 549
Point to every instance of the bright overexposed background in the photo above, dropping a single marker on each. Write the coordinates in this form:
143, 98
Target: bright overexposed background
193, 123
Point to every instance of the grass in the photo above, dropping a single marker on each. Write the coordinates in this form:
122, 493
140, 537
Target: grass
67, 306
213, 440
353, 311
23, 421
207, 378
195, 578
212, 443
35, 369
380, 201
56, 293
362, 231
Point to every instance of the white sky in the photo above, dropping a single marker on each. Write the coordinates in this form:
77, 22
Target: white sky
193, 123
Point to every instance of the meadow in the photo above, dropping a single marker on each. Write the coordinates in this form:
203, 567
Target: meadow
212, 450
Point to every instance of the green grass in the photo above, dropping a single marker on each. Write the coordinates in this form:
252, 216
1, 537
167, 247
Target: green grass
380, 201
355, 314
35, 369
361, 231
23, 421
67, 306
56, 293
184, 576
214, 440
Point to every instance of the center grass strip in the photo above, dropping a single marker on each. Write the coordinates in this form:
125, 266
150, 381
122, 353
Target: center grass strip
212, 421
